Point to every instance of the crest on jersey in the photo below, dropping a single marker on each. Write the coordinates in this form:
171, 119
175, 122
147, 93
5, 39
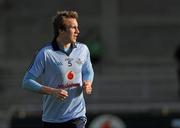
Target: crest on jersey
79, 61
70, 75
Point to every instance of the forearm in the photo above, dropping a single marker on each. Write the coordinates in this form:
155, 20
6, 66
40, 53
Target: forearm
88, 73
47, 90
30, 83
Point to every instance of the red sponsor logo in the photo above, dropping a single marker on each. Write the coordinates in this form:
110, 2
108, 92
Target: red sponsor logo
70, 75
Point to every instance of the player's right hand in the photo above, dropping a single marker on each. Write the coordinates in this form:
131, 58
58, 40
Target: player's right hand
60, 94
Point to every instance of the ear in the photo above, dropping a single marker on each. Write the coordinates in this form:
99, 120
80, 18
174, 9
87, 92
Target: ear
61, 31
62, 28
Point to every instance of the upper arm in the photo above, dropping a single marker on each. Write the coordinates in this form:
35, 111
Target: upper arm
87, 69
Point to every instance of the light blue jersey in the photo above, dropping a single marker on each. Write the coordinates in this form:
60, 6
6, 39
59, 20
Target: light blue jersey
60, 69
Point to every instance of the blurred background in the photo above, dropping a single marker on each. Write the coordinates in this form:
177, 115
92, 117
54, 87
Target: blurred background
134, 48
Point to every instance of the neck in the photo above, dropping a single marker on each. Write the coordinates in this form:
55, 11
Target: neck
63, 43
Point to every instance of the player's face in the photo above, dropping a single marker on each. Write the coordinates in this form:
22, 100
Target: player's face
72, 30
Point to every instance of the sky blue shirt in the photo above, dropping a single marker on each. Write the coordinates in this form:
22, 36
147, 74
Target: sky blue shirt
60, 69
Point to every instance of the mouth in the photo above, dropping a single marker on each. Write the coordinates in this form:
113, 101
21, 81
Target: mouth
75, 37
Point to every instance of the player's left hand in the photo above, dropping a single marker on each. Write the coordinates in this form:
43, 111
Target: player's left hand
87, 87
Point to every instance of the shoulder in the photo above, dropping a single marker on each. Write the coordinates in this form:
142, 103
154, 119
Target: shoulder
81, 46
44, 49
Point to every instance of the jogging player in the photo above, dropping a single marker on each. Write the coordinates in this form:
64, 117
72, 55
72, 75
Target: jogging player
65, 69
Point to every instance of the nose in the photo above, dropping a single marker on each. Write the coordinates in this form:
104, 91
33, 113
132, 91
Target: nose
77, 30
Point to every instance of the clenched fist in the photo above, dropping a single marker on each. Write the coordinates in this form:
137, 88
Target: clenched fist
87, 87
60, 94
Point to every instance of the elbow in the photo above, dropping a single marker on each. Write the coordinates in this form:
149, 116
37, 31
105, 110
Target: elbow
25, 81
24, 85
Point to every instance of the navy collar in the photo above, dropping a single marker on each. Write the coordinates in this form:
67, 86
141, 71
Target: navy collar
57, 48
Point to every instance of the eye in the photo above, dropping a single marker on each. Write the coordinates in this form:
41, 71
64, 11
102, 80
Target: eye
73, 27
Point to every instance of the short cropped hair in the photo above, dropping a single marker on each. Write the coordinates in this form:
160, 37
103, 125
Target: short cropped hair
58, 20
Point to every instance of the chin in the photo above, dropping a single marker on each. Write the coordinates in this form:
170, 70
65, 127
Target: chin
74, 41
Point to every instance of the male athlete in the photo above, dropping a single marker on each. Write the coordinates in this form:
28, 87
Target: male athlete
66, 72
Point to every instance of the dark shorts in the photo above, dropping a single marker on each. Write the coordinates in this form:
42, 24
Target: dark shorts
74, 123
